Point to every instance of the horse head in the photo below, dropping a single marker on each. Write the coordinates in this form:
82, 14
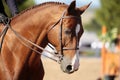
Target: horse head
65, 35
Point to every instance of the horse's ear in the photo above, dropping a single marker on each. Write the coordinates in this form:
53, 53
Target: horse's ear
82, 9
71, 7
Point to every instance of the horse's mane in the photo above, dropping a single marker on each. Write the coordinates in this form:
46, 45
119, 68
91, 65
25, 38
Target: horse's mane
39, 5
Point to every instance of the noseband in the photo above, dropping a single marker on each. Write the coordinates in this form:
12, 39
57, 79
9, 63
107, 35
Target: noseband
25, 41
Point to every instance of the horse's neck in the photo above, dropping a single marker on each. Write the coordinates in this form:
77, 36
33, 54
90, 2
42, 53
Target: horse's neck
36, 21
1, 27
14, 54
33, 26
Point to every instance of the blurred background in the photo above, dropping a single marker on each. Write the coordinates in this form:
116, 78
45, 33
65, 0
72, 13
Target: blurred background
101, 23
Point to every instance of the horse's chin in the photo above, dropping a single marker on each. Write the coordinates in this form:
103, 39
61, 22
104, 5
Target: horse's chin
70, 72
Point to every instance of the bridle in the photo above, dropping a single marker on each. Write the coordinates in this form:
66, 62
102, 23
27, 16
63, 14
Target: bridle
27, 42
62, 48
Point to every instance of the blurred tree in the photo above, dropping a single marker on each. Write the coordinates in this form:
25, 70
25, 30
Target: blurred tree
93, 25
22, 4
109, 16
20, 1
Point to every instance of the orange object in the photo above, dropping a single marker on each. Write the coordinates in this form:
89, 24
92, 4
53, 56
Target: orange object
110, 62
104, 30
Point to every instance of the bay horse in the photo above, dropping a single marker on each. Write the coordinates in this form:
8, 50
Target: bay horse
31, 30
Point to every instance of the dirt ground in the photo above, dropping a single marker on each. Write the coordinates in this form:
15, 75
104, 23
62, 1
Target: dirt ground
89, 70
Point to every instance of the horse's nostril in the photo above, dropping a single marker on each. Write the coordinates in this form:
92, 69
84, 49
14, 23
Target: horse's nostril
69, 68
56, 53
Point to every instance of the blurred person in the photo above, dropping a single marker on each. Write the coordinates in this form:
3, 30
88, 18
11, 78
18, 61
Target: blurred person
13, 9
110, 61
11, 5
2, 8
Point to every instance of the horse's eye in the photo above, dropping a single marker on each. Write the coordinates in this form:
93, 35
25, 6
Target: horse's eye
68, 31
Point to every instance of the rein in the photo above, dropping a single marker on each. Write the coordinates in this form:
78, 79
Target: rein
23, 40
6, 22
26, 42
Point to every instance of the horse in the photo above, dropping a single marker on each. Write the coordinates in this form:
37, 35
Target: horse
31, 30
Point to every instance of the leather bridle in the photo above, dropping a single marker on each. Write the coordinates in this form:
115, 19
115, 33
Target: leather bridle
62, 48
27, 42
